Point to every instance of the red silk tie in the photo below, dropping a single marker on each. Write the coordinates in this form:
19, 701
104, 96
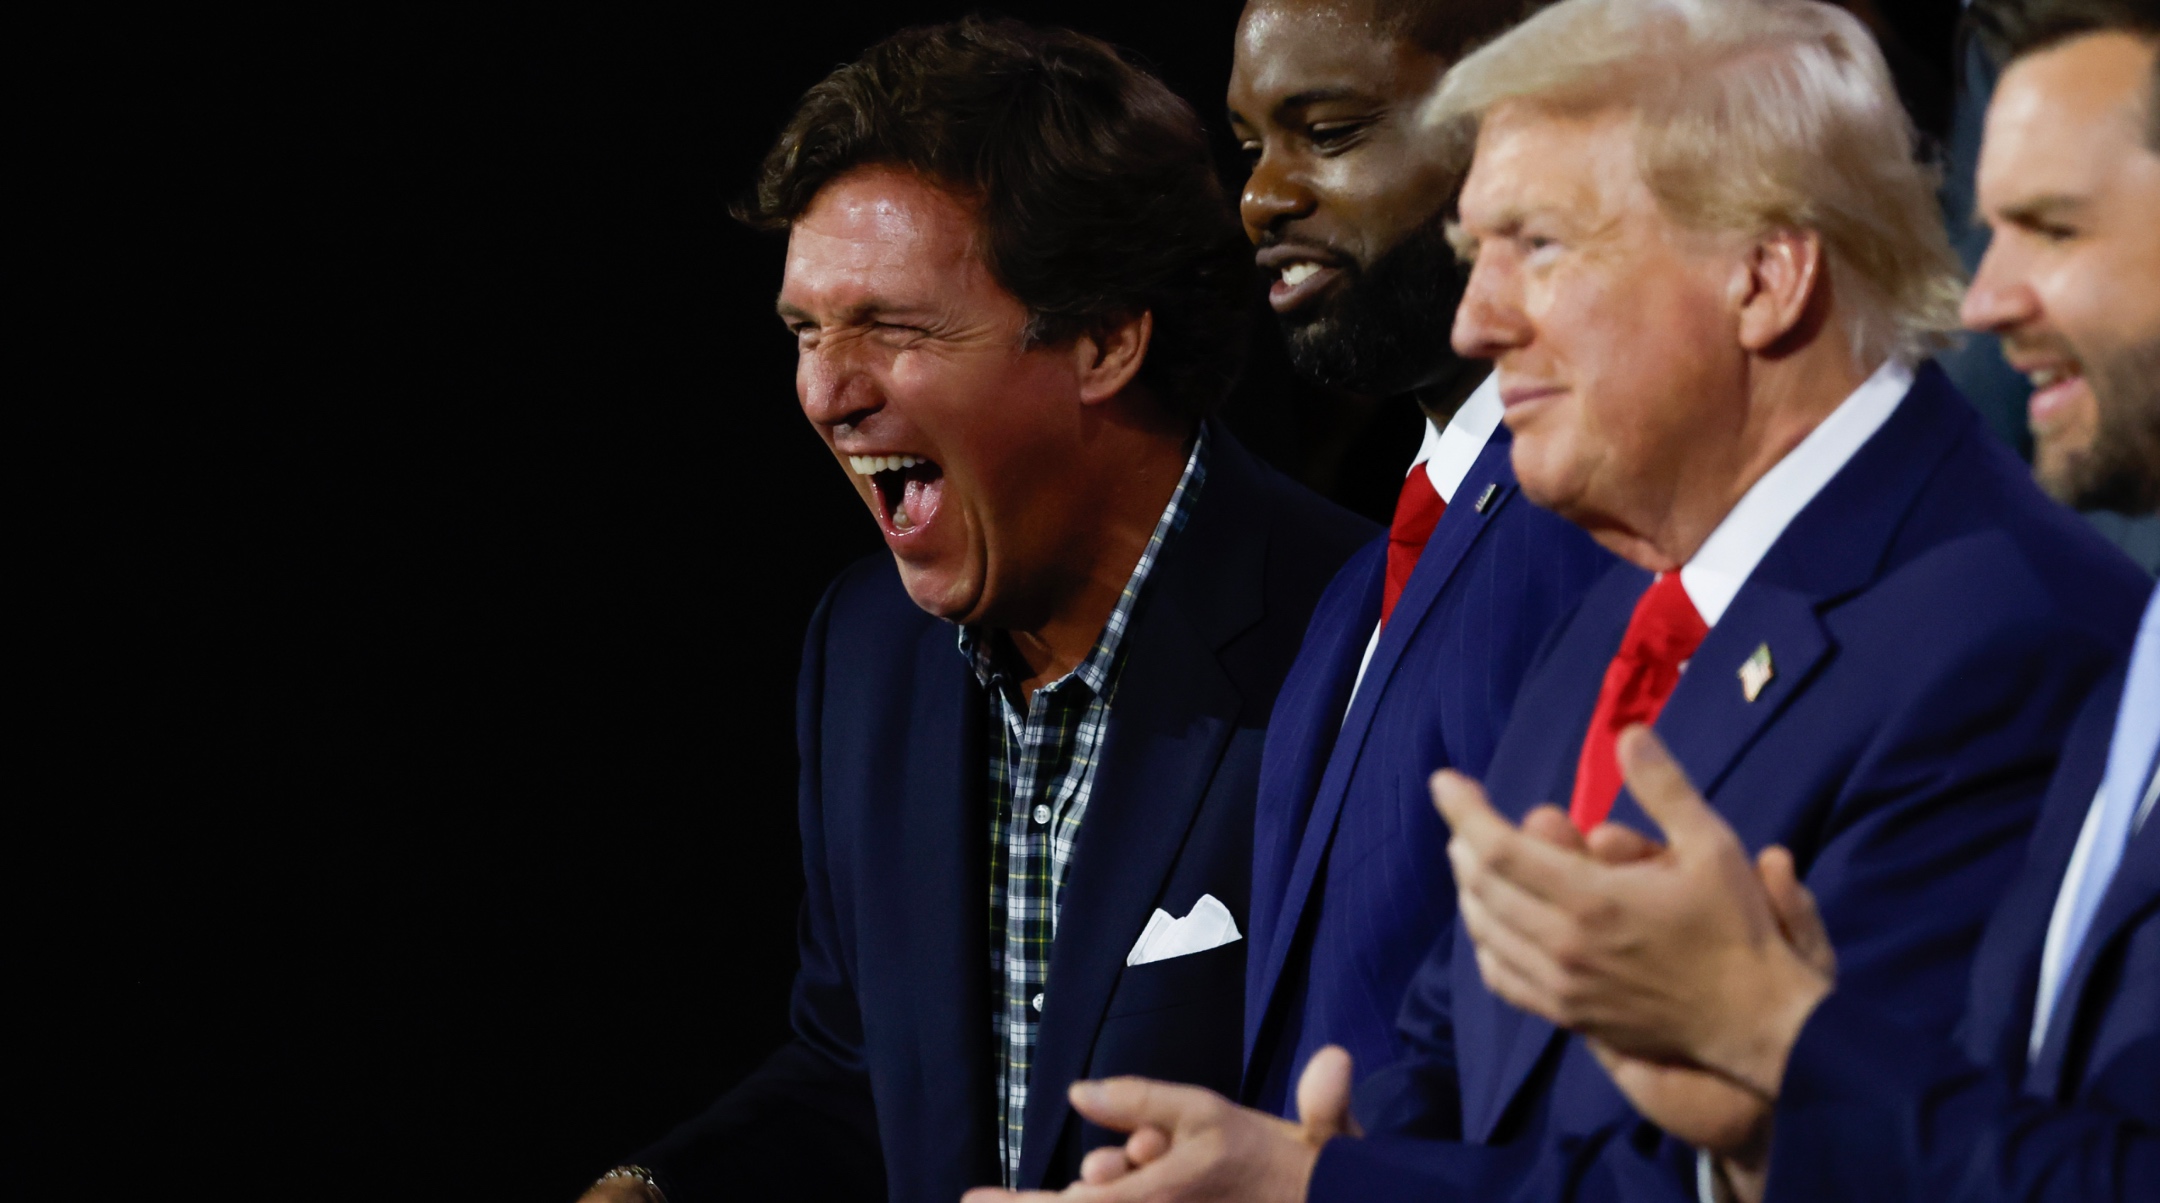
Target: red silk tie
1417, 512
1663, 633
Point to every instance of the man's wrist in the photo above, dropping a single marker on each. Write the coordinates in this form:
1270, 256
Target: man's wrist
1787, 995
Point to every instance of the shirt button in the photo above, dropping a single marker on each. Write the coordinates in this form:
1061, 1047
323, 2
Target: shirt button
1042, 815
1036, 1002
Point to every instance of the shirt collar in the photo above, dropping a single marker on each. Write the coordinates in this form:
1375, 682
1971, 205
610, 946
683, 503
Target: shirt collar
1722, 565
1093, 671
1448, 454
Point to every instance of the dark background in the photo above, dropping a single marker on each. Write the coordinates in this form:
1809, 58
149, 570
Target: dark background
427, 682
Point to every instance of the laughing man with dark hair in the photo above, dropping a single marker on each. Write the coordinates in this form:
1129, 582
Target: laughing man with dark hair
1030, 736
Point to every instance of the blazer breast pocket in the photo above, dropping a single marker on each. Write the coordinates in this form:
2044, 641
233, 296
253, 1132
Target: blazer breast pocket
1215, 976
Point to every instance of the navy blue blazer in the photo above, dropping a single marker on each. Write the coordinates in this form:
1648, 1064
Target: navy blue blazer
886, 1089
1871, 1109
1350, 879
1933, 624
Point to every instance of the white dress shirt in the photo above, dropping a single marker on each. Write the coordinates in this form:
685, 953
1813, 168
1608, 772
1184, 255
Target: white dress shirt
1714, 575
1446, 457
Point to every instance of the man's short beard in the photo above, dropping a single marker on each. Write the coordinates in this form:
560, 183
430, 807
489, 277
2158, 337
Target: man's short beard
1385, 330
2121, 470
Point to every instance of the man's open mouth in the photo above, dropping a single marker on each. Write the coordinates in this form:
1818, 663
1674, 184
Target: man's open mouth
1300, 274
907, 488
2055, 386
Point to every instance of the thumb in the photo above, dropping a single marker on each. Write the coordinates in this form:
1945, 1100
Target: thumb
1323, 1096
1794, 906
1125, 1104
1462, 804
1662, 787
1617, 844
1551, 824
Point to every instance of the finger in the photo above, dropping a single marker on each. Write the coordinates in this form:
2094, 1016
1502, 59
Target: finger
1499, 901
1517, 987
1611, 1058
1463, 804
1662, 787
1146, 1145
1530, 963
1078, 1192
1477, 830
1619, 844
1104, 1165
1124, 1104
1794, 905
1323, 1094
1551, 824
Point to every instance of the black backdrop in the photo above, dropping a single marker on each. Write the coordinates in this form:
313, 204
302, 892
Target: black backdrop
426, 677
440, 820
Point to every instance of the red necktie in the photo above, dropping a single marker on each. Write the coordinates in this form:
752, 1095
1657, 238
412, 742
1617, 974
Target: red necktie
1417, 512
1664, 631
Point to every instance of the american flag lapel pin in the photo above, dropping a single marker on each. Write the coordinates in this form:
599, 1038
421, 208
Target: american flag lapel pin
1485, 498
1756, 672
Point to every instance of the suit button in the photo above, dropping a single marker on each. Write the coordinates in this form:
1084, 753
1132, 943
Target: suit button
1036, 1002
1042, 815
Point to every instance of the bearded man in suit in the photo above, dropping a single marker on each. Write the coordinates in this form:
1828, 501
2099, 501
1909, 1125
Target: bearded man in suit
1415, 654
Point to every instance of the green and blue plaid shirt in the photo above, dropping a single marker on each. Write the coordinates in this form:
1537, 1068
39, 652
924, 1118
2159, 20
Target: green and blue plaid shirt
1042, 769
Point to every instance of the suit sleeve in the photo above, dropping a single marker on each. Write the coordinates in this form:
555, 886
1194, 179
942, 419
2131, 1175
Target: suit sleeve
1922, 1121
808, 1108
1906, 866
1419, 1096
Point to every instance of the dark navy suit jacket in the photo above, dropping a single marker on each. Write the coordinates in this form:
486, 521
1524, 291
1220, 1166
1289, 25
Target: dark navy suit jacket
1350, 879
1871, 1109
1933, 624
887, 1087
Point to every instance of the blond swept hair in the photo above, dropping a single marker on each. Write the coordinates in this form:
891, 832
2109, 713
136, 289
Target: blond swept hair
1753, 116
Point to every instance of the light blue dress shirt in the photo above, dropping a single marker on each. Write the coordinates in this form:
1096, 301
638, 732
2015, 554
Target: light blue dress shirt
2118, 811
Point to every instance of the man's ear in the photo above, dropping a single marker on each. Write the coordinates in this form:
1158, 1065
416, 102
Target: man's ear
1776, 285
1109, 356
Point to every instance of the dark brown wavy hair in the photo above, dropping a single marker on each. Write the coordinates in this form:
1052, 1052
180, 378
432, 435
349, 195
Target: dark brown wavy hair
2012, 29
1093, 183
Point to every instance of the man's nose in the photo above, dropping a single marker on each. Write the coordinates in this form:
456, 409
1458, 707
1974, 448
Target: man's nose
1273, 195
1999, 299
835, 387
1490, 319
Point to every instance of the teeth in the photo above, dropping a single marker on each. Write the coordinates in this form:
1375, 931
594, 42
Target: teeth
2046, 377
1298, 273
871, 465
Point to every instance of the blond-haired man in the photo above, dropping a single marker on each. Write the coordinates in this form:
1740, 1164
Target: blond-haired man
1705, 266
2051, 1088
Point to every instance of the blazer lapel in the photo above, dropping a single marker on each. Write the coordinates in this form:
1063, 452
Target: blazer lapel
2135, 889
2006, 967
1306, 735
1170, 723
1710, 719
1497, 1045
945, 838
1451, 541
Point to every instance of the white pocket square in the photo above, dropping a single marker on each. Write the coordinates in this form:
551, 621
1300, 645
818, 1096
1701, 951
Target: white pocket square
1209, 926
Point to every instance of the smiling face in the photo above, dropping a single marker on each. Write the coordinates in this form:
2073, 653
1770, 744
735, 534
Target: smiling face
1616, 348
1344, 201
912, 365
2071, 189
